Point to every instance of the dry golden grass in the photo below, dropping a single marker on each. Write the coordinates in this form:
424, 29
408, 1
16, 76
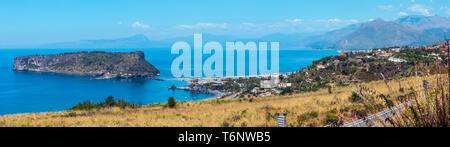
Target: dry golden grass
209, 114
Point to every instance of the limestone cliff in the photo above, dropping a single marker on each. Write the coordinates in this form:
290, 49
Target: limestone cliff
96, 63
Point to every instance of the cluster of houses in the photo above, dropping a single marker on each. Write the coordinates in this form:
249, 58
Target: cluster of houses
398, 60
269, 87
274, 85
377, 53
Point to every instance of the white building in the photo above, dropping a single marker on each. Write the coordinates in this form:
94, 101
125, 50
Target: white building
398, 60
396, 49
272, 83
284, 85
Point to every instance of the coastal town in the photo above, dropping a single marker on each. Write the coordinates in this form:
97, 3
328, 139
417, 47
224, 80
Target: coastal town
351, 66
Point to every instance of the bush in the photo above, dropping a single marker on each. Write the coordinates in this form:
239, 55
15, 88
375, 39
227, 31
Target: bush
361, 113
70, 114
269, 116
287, 90
171, 102
225, 124
401, 98
244, 124
306, 116
332, 119
390, 103
355, 98
334, 111
313, 114
109, 102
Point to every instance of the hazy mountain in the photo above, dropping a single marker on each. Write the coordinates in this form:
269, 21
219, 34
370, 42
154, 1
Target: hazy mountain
136, 41
329, 38
424, 22
410, 30
379, 33
141, 41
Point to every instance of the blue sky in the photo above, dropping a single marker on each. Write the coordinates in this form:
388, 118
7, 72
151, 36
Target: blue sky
30, 22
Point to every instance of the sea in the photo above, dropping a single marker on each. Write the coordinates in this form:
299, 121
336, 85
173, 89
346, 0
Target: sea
31, 92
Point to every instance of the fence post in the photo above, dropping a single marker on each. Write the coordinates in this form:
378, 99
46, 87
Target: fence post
281, 120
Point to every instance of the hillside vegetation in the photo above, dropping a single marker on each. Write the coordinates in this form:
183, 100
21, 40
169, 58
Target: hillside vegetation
317, 108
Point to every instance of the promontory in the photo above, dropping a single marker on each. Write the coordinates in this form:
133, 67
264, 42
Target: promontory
104, 65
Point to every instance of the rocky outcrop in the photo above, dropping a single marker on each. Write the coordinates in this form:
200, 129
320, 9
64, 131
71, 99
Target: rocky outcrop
104, 65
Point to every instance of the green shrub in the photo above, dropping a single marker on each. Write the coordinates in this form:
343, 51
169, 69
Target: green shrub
332, 119
171, 102
225, 124
361, 113
389, 103
355, 98
70, 114
313, 114
109, 102
269, 116
401, 98
244, 124
334, 111
306, 116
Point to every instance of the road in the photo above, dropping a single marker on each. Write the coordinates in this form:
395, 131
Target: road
374, 119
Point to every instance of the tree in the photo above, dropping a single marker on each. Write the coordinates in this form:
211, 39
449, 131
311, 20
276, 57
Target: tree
109, 101
287, 90
329, 89
171, 102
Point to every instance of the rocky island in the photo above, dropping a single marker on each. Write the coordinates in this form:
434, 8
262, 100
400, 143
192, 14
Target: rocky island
104, 65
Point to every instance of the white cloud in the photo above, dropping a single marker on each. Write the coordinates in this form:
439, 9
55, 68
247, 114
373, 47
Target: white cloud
119, 23
296, 20
445, 9
422, 9
334, 20
140, 25
254, 29
386, 7
412, 1
343, 21
202, 25
403, 14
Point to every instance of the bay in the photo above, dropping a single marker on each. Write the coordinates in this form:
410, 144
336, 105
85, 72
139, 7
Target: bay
28, 92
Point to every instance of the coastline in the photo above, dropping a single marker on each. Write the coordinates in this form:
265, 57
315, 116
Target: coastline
163, 76
218, 94
215, 94
97, 76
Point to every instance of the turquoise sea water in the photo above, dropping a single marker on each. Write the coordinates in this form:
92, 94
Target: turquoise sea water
25, 92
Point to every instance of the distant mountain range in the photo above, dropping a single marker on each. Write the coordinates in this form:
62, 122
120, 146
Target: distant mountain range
136, 41
409, 30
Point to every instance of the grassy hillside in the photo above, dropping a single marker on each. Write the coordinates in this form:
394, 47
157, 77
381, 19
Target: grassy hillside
306, 109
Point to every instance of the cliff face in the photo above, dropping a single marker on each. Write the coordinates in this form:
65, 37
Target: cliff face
103, 64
